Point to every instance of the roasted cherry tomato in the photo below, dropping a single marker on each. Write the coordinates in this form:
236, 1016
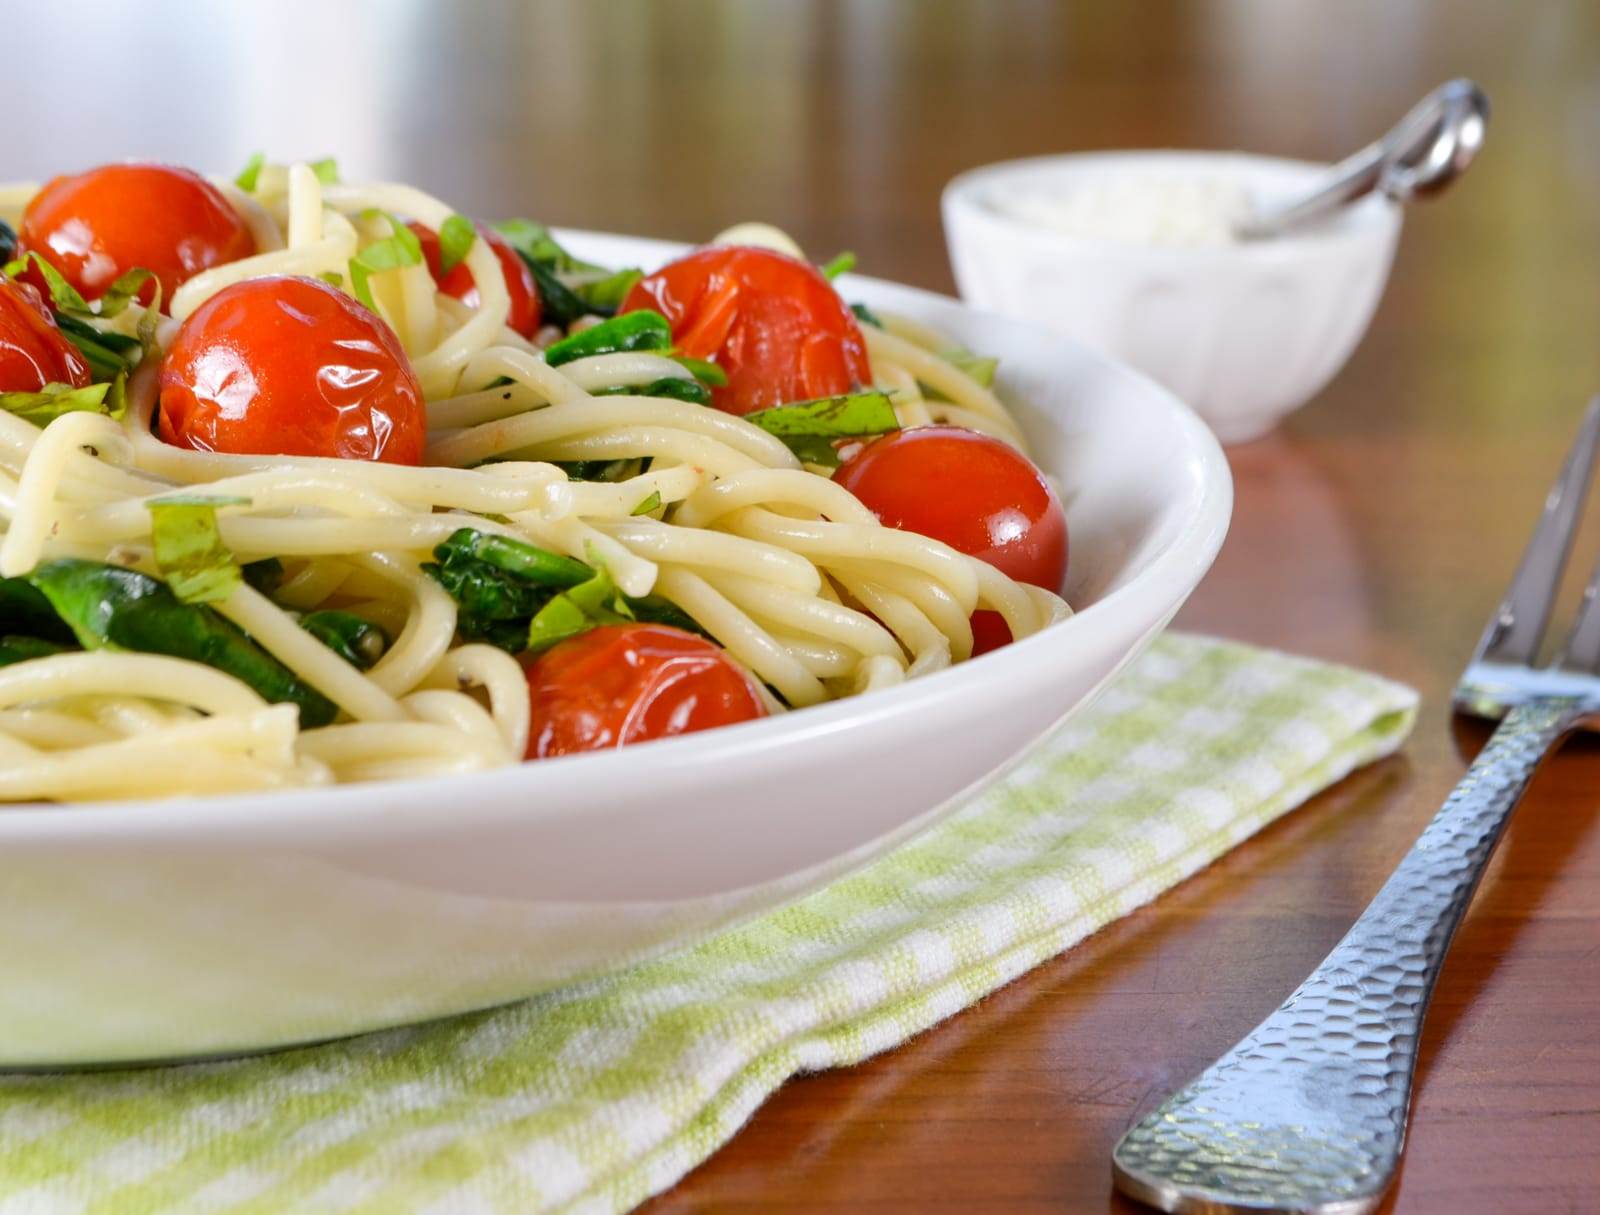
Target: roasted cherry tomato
283, 366
525, 311
772, 323
33, 352
96, 225
628, 683
977, 494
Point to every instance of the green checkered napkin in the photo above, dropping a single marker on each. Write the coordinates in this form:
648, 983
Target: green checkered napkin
593, 1097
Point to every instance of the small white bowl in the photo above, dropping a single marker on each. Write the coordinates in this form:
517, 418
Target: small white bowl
1244, 333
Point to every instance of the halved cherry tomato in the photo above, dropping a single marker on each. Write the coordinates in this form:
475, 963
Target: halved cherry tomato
291, 367
525, 312
975, 493
628, 683
33, 352
772, 323
96, 225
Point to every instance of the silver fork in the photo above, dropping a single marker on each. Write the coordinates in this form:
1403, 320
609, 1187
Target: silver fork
1308, 1113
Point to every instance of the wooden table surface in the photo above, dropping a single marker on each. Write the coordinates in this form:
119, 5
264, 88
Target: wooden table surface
1377, 528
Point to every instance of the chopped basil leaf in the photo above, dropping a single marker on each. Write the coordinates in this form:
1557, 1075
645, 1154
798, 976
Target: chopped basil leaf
109, 354
125, 289
650, 504
251, 173
327, 170
706, 373
866, 315
197, 565
558, 303
842, 264
401, 248
333, 278
49, 403
359, 642
809, 428
977, 368
456, 239
63, 295
578, 610
605, 295
533, 241
644, 330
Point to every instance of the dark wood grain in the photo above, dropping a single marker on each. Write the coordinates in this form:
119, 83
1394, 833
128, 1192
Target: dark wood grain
1375, 529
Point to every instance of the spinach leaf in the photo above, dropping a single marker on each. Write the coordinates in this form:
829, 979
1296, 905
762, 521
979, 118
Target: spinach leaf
643, 330
359, 642
810, 428
108, 607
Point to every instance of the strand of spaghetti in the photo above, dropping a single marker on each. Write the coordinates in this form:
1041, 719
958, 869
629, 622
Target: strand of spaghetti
277, 633
622, 498
742, 637
52, 728
312, 583
931, 601
657, 442
504, 400
601, 413
823, 659
337, 246
85, 478
158, 677
700, 548
501, 678
877, 673
459, 712
34, 513
913, 330
14, 199
821, 541
935, 372
633, 574
438, 369
429, 627
305, 207
523, 367
453, 314
627, 370
792, 487
264, 230
905, 618
909, 406
953, 415
365, 742
809, 616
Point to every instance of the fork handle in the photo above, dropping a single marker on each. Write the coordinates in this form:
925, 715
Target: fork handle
1308, 1113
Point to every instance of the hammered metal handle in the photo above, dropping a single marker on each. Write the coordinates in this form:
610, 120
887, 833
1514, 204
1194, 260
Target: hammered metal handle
1308, 1113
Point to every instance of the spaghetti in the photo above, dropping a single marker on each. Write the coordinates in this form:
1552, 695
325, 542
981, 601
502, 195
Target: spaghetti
705, 512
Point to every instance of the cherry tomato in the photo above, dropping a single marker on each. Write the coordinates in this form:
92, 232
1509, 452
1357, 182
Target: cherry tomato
772, 323
282, 366
628, 683
94, 226
33, 351
525, 312
977, 494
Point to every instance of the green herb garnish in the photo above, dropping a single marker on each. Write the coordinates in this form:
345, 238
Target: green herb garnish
810, 428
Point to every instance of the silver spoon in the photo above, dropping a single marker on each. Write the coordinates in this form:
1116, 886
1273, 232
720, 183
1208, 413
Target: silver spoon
1423, 153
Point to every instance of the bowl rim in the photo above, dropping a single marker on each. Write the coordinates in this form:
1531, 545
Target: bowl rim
328, 812
1375, 217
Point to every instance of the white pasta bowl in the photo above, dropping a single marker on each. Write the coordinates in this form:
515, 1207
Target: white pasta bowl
192, 927
1243, 333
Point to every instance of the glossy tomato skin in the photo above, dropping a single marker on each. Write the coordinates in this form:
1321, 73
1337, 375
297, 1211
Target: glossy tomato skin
33, 351
525, 312
774, 324
96, 225
628, 683
293, 367
976, 494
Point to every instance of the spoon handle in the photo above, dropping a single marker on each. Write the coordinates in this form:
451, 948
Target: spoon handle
1424, 152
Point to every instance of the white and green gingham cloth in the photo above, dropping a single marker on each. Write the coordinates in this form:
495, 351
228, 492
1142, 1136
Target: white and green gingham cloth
596, 1096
